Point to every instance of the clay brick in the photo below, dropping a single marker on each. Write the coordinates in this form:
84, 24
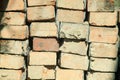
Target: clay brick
11, 61
11, 74
14, 47
74, 31
42, 29
101, 76
103, 64
12, 5
42, 13
102, 19
12, 18
45, 44
103, 50
42, 58
71, 4
41, 2
100, 5
74, 61
74, 47
70, 16
66, 74
14, 32
41, 72
103, 34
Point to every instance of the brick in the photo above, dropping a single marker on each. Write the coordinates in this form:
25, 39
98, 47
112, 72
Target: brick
100, 5
74, 31
72, 16
11, 74
43, 13
45, 44
12, 18
42, 58
11, 61
40, 72
71, 4
103, 50
74, 61
66, 74
100, 76
79, 47
7, 5
102, 19
43, 29
103, 64
41, 2
103, 34
14, 32
14, 47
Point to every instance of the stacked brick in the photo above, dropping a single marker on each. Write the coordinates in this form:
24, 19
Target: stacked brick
103, 40
13, 40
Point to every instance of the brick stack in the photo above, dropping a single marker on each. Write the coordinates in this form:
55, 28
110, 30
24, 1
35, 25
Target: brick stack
43, 31
103, 40
13, 40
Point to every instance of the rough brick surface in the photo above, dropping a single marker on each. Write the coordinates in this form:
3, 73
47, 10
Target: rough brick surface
45, 44
42, 29
104, 65
14, 32
102, 34
74, 61
66, 74
40, 13
70, 16
103, 50
101, 76
14, 47
100, 5
79, 47
41, 2
42, 58
12, 18
40, 72
102, 19
71, 4
11, 61
74, 31
12, 5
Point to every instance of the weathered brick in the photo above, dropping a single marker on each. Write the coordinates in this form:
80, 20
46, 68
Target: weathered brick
45, 44
13, 47
102, 19
43, 29
14, 32
74, 31
71, 4
41, 13
12, 18
79, 47
100, 76
41, 72
103, 34
70, 16
103, 50
74, 61
12, 5
42, 58
100, 5
66, 74
11, 61
103, 64
41, 2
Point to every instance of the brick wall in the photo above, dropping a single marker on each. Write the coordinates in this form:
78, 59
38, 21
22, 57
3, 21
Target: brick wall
59, 40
